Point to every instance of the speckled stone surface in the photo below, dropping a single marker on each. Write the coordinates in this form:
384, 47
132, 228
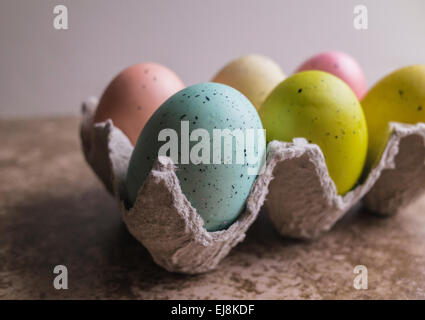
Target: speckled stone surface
53, 210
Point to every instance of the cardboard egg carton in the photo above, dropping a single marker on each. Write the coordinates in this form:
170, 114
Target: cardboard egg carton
302, 201
162, 219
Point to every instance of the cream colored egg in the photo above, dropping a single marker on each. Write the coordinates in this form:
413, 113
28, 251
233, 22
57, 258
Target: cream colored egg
253, 75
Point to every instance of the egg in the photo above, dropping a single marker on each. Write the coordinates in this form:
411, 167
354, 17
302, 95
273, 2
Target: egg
321, 108
133, 96
399, 97
253, 75
217, 184
341, 65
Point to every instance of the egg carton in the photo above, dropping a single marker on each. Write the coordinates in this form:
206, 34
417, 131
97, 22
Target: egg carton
302, 201
162, 218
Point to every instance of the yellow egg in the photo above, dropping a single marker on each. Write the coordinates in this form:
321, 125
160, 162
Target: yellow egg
253, 75
399, 97
321, 108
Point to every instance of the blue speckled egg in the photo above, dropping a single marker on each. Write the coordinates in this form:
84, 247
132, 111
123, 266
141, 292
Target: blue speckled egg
215, 180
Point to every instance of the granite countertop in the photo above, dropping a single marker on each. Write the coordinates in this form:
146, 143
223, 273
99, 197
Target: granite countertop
54, 211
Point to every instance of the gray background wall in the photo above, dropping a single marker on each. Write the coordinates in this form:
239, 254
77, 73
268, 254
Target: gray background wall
44, 71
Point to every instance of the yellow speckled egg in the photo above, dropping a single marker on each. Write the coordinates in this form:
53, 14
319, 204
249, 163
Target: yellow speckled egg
253, 75
321, 108
400, 97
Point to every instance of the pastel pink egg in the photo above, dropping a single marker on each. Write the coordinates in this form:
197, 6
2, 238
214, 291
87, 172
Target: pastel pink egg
134, 95
341, 65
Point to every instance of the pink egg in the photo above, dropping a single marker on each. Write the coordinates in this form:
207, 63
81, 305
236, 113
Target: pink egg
341, 65
134, 95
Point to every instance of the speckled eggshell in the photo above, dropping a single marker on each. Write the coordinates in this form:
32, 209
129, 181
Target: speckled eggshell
134, 95
321, 108
341, 65
253, 75
217, 191
398, 97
